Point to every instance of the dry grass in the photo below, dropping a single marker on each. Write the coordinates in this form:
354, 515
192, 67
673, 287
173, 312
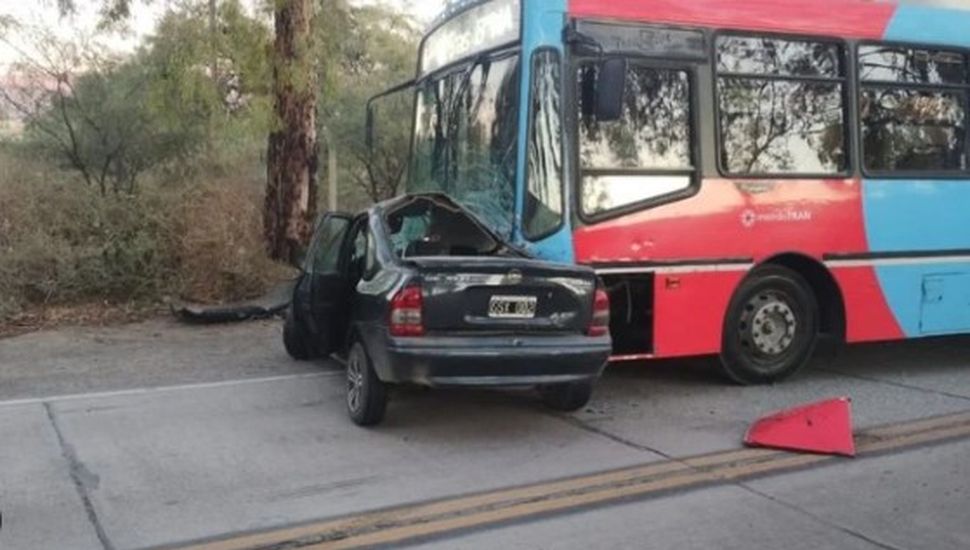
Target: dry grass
220, 246
99, 314
62, 243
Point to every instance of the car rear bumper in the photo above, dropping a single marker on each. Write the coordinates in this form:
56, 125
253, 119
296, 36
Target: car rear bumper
496, 361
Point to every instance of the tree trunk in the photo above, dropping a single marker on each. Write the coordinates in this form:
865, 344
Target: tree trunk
291, 187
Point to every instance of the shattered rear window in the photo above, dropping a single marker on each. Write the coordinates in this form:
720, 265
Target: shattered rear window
424, 227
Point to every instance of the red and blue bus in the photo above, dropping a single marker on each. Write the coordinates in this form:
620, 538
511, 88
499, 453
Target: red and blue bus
749, 177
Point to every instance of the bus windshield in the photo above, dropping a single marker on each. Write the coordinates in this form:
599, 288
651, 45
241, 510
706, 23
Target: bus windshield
465, 140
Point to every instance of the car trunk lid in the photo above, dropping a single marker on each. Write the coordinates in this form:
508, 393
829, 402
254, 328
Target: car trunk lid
499, 294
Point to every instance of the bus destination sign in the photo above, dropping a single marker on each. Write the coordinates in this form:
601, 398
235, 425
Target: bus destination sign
645, 40
477, 29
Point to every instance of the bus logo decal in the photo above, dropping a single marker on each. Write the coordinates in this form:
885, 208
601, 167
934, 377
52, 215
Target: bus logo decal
750, 218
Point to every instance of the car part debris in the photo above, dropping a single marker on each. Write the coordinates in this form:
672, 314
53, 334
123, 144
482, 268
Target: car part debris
273, 303
820, 428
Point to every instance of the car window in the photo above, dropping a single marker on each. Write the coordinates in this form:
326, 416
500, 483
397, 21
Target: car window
425, 227
325, 253
359, 251
357, 262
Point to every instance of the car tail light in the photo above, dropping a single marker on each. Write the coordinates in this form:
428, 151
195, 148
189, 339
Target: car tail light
600, 325
406, 312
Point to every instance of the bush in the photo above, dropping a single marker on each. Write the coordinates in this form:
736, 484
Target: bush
62, 242
220, 246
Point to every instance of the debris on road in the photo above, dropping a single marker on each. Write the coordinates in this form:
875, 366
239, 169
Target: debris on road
820, 428
273, 303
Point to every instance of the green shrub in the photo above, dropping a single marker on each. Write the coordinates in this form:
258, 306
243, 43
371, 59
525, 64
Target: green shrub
62, 242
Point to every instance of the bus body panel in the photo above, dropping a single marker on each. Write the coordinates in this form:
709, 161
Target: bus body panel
692, 307
734, 220
919, 235
542, 29
898, 249
886, 296
841, 18
709, 242
925, 25
868, 317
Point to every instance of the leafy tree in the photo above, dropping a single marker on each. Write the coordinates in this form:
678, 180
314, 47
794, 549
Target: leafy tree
112, 119
291, 185
290, 205
332, 62
181, 54
99, 121
376, 50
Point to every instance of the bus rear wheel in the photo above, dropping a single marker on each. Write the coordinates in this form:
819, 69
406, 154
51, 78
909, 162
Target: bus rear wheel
772, 327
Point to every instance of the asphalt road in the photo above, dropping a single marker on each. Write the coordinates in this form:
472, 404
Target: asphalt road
160, 435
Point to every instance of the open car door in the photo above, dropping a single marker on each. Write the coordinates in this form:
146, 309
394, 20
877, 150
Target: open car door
321, 294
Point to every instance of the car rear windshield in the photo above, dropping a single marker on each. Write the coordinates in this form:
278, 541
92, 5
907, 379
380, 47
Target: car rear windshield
425, 227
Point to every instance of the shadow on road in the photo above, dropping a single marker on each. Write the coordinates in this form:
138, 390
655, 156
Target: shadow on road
887, 380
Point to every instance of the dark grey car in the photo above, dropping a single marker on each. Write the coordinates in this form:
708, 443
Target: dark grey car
416, 290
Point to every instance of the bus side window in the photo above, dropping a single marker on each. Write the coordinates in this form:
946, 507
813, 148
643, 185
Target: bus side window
645, 155
782, 107
913, 109
544, 203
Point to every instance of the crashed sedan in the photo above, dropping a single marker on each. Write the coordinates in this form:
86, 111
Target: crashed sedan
418, 291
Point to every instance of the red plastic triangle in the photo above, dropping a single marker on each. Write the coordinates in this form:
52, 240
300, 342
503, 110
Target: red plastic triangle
821, 428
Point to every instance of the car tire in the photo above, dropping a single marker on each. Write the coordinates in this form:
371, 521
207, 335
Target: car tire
295, 338
366, 394
567, 397
771, 329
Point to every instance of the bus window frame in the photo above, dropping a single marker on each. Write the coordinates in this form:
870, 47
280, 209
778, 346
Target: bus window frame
848, 116
421, 74
861, 84
420, 77
509, 50
695, 174
564, 140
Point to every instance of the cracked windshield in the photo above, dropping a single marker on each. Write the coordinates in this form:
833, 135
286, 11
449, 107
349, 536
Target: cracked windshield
465, 137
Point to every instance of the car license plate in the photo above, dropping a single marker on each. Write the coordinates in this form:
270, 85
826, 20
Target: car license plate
512, 307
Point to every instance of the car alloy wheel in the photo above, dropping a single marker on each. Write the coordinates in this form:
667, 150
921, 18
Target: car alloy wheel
355, 382
366, 393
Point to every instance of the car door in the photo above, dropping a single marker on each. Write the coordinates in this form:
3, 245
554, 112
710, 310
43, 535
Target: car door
321, 293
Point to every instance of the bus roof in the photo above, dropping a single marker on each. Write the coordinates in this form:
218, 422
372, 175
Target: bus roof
836, 18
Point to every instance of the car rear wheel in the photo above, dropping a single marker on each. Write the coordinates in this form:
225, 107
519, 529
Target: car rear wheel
295, 338
771, 329
567, 397
366, 394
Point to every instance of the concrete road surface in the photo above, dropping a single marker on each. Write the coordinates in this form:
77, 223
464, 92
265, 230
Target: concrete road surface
160, 435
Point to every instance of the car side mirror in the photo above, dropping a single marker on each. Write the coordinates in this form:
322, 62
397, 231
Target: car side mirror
610, 89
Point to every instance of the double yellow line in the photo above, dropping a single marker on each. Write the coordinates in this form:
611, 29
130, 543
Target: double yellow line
410, 522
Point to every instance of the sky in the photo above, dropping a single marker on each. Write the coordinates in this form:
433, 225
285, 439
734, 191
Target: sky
44, 13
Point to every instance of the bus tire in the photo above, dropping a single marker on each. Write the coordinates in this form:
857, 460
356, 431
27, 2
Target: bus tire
771, 329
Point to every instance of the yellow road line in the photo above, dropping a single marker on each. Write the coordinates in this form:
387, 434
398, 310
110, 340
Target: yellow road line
422, 520
474, 502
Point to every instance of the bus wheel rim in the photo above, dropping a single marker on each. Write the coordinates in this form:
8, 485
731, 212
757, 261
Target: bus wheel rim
771, 325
